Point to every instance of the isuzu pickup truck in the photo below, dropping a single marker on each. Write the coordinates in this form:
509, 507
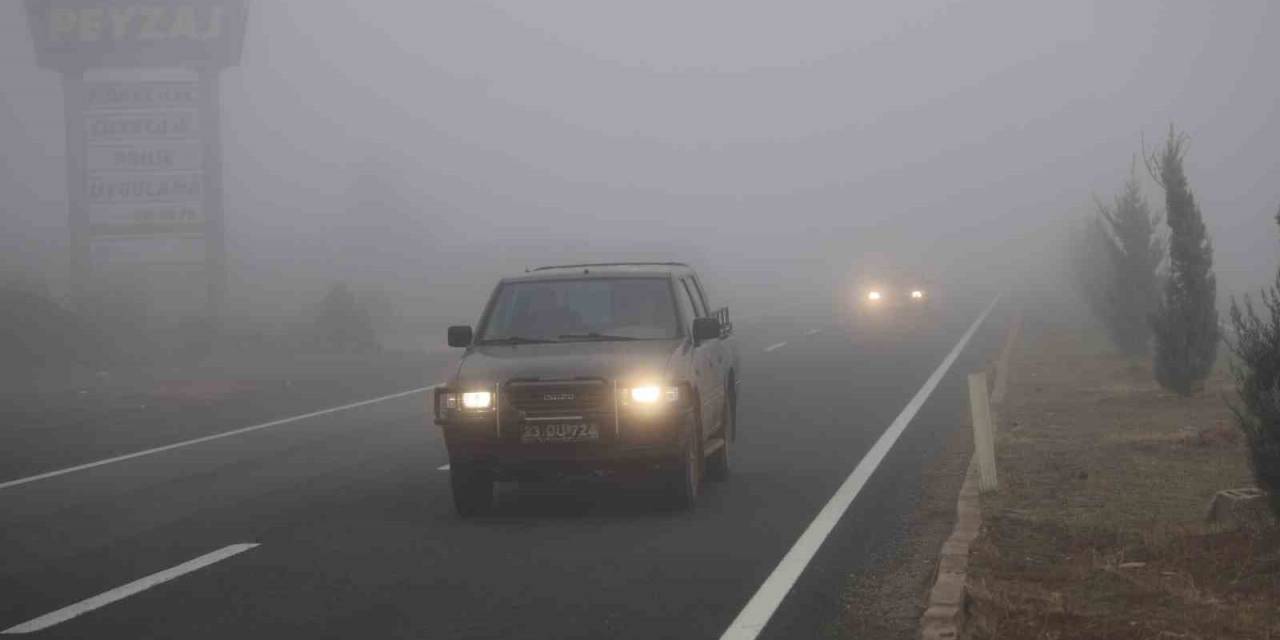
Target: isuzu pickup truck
615, 368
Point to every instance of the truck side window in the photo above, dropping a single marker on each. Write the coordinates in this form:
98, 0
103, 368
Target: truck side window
685, 302
701, 293
695, 300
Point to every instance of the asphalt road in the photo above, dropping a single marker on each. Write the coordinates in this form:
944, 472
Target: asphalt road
356, 535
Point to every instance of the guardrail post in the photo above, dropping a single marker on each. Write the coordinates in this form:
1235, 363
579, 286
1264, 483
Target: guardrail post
983, 433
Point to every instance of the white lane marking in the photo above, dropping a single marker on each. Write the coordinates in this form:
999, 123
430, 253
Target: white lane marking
224, 434
756, 614
811, 332
443, 467
776, 346
119, 593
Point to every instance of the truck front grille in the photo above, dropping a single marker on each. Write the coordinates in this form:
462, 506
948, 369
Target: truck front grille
562, 397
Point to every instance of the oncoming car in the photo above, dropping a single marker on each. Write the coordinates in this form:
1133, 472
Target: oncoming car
598, 367
891, 301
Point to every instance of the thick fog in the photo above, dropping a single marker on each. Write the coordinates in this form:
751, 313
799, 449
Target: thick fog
426, 148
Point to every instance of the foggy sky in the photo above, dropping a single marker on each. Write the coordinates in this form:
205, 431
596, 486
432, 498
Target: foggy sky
429, 146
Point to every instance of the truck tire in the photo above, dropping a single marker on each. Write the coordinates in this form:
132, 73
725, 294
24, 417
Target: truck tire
472, 489
718, 462
685, 476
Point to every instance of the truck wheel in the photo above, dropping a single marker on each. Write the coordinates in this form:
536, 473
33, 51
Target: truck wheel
685, 476
718, 462
472, 489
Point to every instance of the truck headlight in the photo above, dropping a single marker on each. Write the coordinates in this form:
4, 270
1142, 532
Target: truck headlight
477, 399
873, 296
917, 295
650, 394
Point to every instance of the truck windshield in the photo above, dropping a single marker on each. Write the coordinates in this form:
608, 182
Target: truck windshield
592, 309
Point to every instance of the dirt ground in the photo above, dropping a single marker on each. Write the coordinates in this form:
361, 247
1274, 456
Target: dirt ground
1098, 529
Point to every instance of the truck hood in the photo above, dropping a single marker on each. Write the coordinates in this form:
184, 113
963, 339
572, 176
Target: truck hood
621, 360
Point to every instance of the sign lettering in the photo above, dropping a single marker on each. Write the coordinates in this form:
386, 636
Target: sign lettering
77, 34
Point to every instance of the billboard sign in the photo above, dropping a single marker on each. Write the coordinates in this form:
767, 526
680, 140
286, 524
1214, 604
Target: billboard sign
144, 167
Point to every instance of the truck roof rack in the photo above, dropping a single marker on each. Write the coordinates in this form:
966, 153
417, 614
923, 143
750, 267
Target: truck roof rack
611, 264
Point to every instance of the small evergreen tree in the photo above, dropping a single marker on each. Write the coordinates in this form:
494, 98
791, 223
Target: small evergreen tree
1185, 324
1134, 254
1091, 267
1257, 374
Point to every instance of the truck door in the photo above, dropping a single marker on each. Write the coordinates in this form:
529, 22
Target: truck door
710, 385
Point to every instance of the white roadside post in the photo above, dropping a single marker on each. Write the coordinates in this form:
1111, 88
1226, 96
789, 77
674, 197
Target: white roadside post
983, 433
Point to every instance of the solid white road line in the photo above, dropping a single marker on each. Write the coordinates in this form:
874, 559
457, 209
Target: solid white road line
216, 436
776, 346
122, 592
753, 617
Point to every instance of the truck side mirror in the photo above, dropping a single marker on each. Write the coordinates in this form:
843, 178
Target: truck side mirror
460, 335
705, 329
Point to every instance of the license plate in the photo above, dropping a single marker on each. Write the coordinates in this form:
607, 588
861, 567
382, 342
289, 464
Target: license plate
560, 432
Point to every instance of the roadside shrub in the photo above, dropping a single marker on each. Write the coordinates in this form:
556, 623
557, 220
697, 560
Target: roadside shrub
1185, 322
342, 323
36, 331
1257, 374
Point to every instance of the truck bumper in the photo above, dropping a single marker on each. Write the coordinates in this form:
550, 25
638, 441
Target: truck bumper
637, 444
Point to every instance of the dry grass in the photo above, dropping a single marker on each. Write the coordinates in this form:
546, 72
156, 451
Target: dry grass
1098, 530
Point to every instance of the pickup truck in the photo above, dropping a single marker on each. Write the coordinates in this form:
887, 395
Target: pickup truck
575, 369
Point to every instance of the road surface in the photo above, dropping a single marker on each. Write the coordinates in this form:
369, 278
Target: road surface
340, 524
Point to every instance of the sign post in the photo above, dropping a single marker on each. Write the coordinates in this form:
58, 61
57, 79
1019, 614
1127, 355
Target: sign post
144, 162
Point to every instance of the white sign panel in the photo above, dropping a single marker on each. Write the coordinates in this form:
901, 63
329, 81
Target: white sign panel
151, 155
141, 95
146, 219
140, 125
106, 188
144, 172
162, 250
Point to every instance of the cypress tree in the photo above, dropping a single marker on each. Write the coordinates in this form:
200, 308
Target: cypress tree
1134, 253
1257, 374
1185, 324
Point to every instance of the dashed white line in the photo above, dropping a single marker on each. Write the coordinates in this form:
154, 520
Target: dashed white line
776, 346
756, 614
812, 332
443, 467
119, 593
216, 436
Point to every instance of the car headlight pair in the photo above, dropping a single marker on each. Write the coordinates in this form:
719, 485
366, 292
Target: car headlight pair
875, 296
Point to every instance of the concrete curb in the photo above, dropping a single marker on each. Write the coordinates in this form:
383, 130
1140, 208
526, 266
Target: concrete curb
945, 614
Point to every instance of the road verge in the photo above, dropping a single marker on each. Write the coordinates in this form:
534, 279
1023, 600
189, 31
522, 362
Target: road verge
1098, 529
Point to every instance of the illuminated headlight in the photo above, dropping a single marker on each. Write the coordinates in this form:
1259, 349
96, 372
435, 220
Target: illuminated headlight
873, 296
477, 399
917, 295
650, 394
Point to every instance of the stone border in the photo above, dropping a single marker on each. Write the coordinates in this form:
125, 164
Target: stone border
945, 615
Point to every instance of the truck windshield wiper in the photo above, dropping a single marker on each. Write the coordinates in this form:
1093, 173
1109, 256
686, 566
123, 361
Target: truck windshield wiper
593, 336
515, 340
